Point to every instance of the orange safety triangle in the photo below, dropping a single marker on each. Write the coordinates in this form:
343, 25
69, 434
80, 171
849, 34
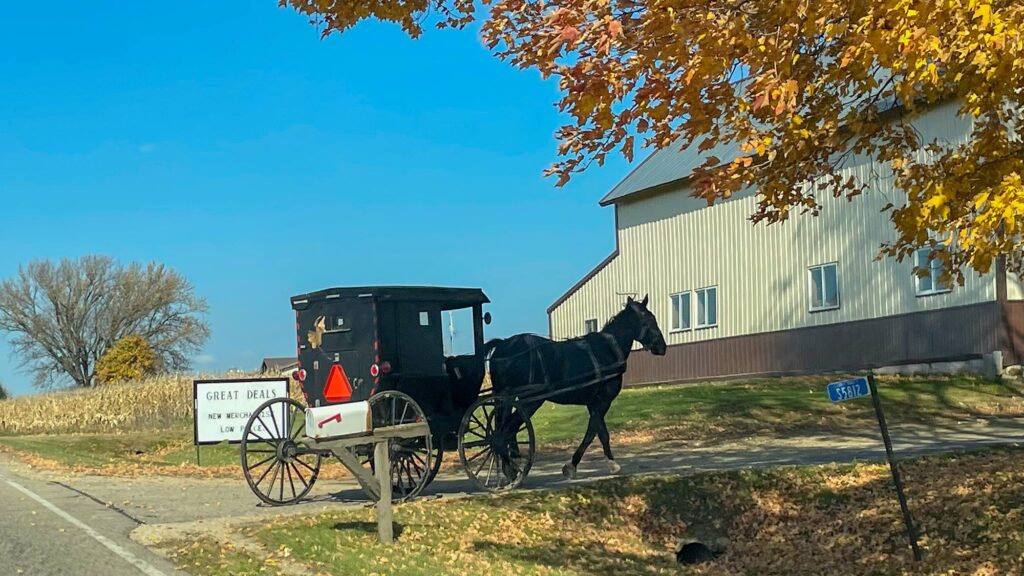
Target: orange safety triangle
337, 388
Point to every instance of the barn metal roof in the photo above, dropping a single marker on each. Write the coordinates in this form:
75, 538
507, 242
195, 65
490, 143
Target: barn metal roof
672, 164
447, 298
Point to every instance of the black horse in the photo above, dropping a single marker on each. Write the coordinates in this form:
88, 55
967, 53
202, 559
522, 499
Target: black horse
585, 371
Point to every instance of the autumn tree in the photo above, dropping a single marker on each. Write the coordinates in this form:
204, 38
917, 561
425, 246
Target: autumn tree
130, 358
796, 87
64, 316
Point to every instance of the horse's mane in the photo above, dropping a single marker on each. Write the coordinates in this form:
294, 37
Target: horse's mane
615, 317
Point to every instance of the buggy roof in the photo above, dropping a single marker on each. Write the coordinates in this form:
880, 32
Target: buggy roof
447, 298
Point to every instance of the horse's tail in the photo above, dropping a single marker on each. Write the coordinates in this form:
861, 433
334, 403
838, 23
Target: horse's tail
496, 360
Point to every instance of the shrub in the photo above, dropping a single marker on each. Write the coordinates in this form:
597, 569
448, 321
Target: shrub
130, 358
4, 394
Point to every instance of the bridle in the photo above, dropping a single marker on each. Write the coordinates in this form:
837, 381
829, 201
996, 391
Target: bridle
644, 330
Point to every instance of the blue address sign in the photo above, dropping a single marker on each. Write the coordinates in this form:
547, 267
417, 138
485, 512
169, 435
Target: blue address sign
848, 389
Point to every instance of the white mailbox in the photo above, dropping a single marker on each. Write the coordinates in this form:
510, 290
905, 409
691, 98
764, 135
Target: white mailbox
337, 420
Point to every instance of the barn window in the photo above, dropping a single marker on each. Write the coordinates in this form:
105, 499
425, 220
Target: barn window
707, 307
824, 287
930, 282
680, 311
590, 326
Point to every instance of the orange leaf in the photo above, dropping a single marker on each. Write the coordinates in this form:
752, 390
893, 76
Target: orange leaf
761, 100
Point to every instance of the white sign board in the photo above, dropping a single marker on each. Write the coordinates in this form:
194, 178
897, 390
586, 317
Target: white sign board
222, 407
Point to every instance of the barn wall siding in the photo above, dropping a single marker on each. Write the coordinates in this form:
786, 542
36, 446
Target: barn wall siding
761, 271
1013, 346
910, 338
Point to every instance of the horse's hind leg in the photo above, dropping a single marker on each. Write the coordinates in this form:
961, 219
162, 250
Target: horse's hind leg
569, 470
602, 433
510, 453
516, 421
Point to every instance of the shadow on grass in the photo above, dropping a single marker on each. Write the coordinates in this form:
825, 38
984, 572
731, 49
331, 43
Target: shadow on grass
967, 508
561, 553
367, 527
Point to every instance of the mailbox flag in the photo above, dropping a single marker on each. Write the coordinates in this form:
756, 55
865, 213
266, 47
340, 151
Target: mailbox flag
337, 388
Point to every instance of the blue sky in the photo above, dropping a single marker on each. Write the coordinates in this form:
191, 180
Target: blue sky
229, 141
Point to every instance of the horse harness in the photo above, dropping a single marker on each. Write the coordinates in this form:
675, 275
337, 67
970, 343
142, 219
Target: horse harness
602, 373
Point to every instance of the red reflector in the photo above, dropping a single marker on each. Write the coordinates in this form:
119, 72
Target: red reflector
299, 375
337, 388
385, 367
374, 370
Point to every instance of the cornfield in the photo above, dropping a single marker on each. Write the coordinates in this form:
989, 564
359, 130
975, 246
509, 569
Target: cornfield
152, 404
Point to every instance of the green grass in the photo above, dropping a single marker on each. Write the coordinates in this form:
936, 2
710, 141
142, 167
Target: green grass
92, 449
707, 411
696, 412
838, 520
213, 559
169, 447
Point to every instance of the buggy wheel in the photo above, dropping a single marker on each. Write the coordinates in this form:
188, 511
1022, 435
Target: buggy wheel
411, 458
435, 463
496, 444
278, 469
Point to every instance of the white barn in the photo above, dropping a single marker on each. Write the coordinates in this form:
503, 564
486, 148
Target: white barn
806, 296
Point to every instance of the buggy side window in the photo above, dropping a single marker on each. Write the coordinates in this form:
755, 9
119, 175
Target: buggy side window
424, 318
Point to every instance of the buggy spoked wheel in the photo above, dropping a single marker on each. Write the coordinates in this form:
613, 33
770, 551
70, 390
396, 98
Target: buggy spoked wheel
435, 463
496, 444
411, 458
277, 467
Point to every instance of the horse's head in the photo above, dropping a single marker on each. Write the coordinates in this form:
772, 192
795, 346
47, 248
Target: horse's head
648, 333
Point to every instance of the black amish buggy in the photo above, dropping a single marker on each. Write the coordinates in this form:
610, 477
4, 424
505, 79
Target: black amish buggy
391, 338
383, 345
381, 350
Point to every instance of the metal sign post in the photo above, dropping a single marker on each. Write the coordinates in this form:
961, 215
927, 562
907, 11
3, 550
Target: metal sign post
911, 531
858, 388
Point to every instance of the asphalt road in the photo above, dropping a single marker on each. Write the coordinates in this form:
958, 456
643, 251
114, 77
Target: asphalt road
46, 529
80, 525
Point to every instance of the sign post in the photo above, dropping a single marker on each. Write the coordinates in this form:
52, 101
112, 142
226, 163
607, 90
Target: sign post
911, 531
858, 388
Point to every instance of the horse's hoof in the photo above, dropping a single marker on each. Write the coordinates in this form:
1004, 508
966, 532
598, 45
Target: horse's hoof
569, 471
614, 467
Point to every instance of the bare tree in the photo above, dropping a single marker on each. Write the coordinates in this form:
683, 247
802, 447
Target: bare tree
64, 316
